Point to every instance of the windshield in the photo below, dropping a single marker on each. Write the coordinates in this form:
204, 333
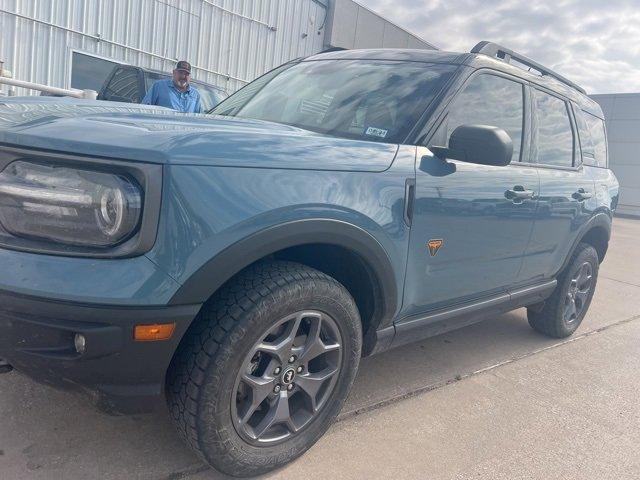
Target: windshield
152, 77
209, 96
362, 99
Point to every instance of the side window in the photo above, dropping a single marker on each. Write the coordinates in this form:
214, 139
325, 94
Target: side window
123, 86
490, 100
553, 135
586, 140
598, 139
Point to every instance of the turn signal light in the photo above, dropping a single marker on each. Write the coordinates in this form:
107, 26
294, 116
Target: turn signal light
152, 333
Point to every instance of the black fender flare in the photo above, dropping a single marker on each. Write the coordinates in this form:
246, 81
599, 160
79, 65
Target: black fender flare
223, 266
601, 220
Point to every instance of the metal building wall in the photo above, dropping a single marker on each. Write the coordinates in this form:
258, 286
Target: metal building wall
352, 25
622, 117
228, 42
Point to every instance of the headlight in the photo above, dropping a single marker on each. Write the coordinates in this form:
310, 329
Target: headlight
68, 205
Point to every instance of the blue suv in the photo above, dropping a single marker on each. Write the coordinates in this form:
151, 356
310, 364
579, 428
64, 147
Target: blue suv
241, 263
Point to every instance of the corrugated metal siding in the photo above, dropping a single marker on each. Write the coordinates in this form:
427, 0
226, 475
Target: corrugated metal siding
622, 117
229, 42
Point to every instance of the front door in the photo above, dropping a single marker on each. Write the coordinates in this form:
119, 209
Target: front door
469, 230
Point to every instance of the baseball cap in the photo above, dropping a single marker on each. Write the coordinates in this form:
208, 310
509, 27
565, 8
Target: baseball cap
183, 65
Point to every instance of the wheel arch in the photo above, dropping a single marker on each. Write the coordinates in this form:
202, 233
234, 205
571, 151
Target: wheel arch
340, 249
596, 232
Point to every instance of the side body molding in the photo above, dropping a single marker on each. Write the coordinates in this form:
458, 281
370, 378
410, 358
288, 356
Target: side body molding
213, 274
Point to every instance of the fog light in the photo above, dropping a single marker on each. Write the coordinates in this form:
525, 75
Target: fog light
80, 342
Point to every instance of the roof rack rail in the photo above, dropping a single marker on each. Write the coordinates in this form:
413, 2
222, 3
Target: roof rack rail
494, 50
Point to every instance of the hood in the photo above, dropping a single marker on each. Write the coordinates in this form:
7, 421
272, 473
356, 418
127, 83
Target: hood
160, 135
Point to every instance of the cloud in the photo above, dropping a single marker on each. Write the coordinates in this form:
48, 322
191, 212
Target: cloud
595, 43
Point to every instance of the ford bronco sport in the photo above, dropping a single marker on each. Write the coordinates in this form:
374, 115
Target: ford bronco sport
241, 263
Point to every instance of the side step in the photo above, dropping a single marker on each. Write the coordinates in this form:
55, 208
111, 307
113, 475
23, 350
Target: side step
4, 366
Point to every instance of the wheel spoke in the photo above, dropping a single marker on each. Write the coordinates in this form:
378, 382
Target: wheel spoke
281, 347
582, 297
570, 310
584, 276
314, 346
260, 388
278, 413
311, 384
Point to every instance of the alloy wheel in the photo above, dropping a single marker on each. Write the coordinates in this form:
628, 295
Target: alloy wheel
287, 377
578, 293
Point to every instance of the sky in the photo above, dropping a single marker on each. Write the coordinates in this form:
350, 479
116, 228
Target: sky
595, 43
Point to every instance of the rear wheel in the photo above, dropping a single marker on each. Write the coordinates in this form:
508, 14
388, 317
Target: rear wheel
566, 307
266, 368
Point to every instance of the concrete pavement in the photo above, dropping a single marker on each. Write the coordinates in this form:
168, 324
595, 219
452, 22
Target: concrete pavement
543, 408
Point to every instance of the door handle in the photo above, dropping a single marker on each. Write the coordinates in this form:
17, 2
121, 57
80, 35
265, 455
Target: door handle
581, 195
518, 194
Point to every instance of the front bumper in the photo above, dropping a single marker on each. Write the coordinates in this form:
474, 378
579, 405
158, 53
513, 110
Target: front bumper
120, 374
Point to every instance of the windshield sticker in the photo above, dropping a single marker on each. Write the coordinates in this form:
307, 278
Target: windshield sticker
376, 132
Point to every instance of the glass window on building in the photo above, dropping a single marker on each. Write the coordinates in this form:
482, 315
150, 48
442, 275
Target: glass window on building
89, 72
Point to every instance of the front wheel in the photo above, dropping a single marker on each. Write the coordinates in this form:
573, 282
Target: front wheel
564, 310
266, 368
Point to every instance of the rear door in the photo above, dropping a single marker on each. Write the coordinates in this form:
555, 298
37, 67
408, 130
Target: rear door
566, 189
468, 235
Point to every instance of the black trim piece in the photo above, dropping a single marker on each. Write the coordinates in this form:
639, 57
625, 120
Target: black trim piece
383, 340
425, 326
409, 197
119, 374
213, 274
147, 175
599, 220
494, 50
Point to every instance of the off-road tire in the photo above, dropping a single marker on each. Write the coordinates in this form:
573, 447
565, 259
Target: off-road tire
550, 319
200, 381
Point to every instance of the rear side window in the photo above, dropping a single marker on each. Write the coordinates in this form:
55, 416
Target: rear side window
598, 141
123, 86
552, 135
490, 100
586, 142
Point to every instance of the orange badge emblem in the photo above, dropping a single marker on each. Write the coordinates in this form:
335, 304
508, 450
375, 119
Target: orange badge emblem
434, 245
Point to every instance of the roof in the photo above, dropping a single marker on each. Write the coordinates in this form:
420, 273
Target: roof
473, 60
404, 54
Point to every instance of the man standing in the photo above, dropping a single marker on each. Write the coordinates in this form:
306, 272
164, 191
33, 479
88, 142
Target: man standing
175, 93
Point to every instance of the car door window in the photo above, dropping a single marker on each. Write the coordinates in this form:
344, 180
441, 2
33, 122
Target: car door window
490, 100
586, 142
553, 140
592, 139
123, 86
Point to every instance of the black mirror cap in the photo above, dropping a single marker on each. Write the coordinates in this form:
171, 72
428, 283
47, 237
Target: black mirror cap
482, 144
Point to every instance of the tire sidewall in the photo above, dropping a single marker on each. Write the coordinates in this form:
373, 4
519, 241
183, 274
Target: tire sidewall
214, 415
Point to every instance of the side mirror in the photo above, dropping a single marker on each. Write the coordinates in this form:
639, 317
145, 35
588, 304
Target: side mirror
481, 144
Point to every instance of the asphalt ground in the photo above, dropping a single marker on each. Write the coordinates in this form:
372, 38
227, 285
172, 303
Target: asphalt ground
494, 400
